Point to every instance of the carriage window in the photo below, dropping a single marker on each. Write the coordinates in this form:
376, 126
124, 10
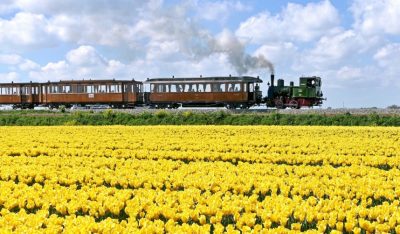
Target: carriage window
157, 88
24, 90
29, 90
184, 87
234, 87
172, 88
180, 87
112, 88
89, 89
66, 89
244, 86
215, 88
237, 88
161, 88
198, 88
127, 88
80, 89
192, 88
206, 87
251, 87
103, 89
223, 87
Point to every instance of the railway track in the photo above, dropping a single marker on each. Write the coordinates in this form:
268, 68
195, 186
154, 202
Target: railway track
262, 109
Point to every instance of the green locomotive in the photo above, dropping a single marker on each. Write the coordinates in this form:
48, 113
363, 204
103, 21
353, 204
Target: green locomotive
307, 94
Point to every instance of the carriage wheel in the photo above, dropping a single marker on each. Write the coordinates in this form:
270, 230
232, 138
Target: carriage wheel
230, 106
244, 106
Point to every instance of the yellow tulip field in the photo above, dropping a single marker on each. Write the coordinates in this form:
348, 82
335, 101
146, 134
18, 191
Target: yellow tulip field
200, 179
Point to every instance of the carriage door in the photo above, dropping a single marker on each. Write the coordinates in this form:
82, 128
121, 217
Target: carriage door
125, 92
35, 94
25, 92
250, 91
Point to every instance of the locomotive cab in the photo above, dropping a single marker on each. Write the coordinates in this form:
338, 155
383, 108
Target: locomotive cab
310, 87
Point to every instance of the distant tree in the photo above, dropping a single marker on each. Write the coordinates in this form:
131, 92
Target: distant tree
393, 107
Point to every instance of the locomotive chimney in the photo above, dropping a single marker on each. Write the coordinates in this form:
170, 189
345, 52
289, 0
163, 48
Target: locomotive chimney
272, 79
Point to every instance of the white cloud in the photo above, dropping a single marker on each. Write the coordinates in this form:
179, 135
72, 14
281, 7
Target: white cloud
84, 62
116, 9
25, 29
388, 55
296, 23
10, 59
45, 23
377, 16
100, 67
337, 49
9, 77
7, 6
85, 56
347, 73
145, 29
91, 29
281, 53
163, 50
219, 10
328, 51
18, 61
388, 59
28, 65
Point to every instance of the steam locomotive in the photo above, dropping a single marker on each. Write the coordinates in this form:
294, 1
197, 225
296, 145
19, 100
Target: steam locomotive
228, 91
308, 93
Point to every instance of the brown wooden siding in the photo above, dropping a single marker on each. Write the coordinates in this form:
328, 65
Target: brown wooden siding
10, 99
88, 98
198, 97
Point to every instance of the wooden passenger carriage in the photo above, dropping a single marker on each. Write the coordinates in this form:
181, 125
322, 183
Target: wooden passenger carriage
229, 91
20, 94
117, 93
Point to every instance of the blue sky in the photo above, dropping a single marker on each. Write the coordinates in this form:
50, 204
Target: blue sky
353, 45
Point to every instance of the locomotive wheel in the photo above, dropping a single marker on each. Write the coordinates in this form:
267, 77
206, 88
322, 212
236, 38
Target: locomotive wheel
294, 104
279, 104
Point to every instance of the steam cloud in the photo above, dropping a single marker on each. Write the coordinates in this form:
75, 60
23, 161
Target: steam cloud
228, 43
197, 43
